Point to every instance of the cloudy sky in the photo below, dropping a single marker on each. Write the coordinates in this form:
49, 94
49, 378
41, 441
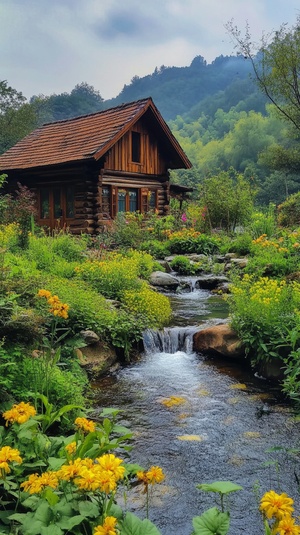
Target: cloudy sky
49, 46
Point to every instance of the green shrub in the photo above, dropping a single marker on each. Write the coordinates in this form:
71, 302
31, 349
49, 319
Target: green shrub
274, 257
241, 244
182, 265
158, 249
88, 309
154, 306
190, 241
145, 263
126, 331
127, 230
263, 223
159, 227
289, 211
111, 277
71, 248
59, 255
9, 236
22, 376
262, 313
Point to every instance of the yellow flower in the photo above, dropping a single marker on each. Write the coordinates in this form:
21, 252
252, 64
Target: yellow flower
19, 413
274, 505
35, 483
287, 526
72, 469
107, 482
155, 475
71, 448
152, 476
94, 478
44, 293
8, 454
88, 426
110, 463
108, 527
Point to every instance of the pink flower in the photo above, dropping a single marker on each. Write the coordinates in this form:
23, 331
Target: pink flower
183, 218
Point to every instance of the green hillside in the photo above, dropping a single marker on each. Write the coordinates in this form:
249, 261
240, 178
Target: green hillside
178, 90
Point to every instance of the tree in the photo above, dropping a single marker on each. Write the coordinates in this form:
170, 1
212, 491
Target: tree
17, 117
227, 199
9, 97
276, 66
82, 100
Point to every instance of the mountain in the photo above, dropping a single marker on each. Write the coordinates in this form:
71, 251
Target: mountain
178, 90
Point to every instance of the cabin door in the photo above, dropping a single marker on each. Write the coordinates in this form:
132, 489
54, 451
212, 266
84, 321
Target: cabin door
56, 206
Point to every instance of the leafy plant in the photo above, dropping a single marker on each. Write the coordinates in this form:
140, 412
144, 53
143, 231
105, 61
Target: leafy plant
158, 249
153, 306
190, 241
215, 521
262, 313
57, 485
182, 265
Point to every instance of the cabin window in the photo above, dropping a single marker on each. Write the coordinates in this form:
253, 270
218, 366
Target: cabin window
136, 147
106, 201
152, 199
57, 205
70, 202
127, 200
148, 200
44, 203
122, 200
132, 194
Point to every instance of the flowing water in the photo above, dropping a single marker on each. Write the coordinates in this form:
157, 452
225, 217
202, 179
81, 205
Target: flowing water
223, 426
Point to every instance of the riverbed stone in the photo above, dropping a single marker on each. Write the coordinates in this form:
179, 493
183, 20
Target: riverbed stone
221, 339
164, 280
240, 263
210, 282
97, 359
89, 337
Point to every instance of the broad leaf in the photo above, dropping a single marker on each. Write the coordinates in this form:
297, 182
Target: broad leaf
223, 487
88, 509
55, 463
50, 496
132, 525
51, 530
67, 523
30, 524
211, 522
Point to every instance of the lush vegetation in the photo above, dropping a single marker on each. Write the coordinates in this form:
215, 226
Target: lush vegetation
245, 177
76, 484
54, 286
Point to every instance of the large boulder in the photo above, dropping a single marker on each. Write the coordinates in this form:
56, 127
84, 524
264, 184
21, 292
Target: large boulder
164, 280
220, 339
97, 359
210, 282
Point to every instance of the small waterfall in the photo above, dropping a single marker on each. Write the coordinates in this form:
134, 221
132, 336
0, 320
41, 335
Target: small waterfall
169, 340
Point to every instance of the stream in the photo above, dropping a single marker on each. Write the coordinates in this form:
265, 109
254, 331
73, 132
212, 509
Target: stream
224, 426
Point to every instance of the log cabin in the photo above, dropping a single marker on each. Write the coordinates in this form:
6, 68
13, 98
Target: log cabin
87, 169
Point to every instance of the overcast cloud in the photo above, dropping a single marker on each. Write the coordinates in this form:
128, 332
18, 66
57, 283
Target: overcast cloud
49, 46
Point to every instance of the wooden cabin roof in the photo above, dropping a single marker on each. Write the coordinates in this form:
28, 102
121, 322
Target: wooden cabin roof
89, 137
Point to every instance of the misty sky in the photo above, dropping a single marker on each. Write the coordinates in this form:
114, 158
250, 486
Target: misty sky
49, 46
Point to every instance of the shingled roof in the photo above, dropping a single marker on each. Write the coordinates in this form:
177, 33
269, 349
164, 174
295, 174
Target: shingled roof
83, 138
